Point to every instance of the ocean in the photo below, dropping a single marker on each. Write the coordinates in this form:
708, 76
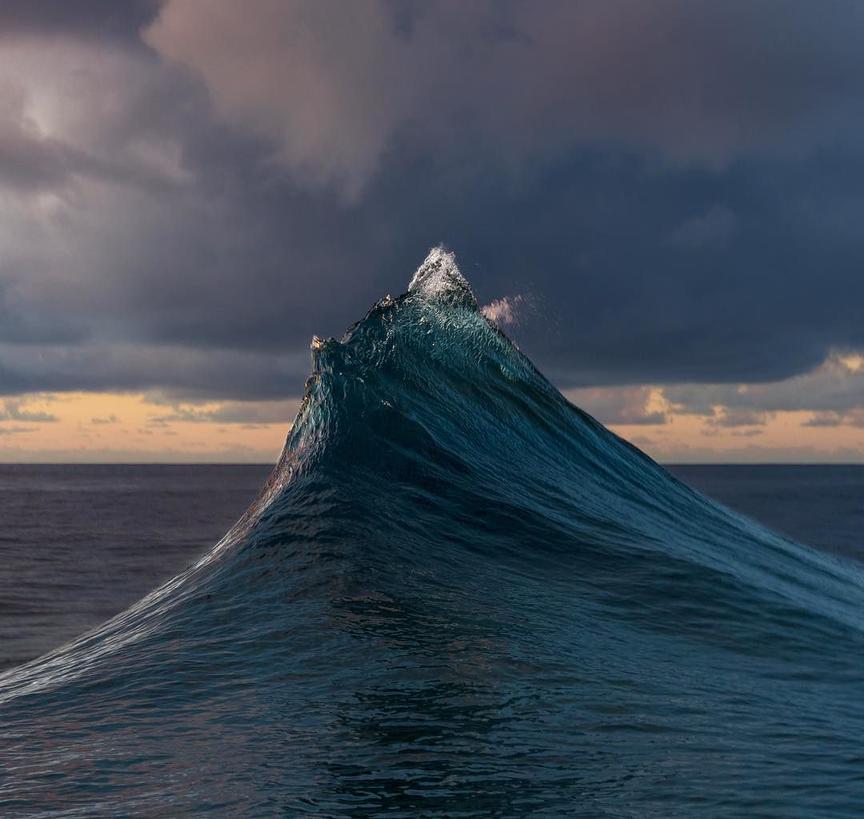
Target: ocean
456, 595
81, 542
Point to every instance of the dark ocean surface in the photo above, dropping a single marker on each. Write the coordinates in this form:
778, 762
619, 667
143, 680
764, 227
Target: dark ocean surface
456, 596
79, 543
82, 542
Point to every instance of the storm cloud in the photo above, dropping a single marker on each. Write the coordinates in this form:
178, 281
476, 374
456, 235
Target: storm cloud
189, 190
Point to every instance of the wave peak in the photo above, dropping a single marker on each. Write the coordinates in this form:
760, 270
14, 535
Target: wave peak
439, 279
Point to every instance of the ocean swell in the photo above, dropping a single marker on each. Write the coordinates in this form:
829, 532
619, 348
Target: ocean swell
458, 595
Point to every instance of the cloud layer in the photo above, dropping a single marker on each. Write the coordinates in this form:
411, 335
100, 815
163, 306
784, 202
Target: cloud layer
189, 191
339, 86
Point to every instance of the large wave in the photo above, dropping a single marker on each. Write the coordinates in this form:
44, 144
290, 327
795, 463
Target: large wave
458, 595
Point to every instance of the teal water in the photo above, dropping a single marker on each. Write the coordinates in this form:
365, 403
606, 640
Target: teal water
458, 595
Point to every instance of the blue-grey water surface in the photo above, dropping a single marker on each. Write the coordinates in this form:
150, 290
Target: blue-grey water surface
80, 542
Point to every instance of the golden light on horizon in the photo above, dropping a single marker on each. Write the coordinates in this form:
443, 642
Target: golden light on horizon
143, 428
133, 427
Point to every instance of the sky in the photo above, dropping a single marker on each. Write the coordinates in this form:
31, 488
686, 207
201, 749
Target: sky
661, 202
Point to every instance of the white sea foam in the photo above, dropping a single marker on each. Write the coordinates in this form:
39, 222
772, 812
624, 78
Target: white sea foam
439, 278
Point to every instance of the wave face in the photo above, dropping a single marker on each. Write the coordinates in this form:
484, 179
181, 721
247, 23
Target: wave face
458, 595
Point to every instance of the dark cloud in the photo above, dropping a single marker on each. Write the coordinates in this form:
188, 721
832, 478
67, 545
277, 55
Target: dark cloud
693, 79
673, 188
174, 371
831, 390
714, 229
97, 19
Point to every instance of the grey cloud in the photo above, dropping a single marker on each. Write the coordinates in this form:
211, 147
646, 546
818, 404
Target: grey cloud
833, 393
249, 414
624, 405
734, 417
825, 418
175, 371
94, 19
555, 147
32, 163
829, 390
11, 409
831, 418
714, 228
714, 430
229, 453
755, 453
23, 323
33, 160
339, 85
28, 161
